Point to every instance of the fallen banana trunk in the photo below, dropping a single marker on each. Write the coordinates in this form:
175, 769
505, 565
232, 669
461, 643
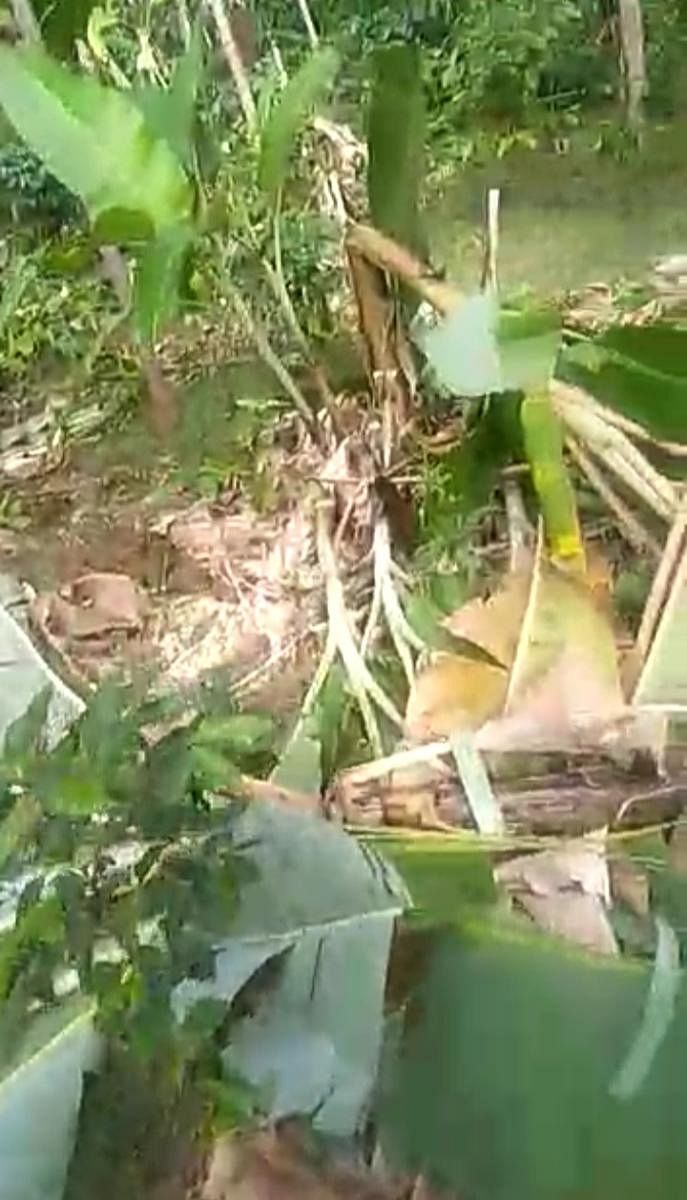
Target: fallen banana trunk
427, 796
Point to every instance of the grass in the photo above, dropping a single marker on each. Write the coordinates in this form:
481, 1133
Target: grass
568, 219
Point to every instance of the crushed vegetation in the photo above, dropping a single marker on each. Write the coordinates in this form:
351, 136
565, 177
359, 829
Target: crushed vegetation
344, 623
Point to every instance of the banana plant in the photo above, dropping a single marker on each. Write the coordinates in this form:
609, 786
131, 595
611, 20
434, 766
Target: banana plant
125, 155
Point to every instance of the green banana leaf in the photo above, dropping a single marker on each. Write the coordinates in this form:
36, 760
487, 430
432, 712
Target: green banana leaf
395, 142
157, 285
169, 112
479, 348
302, 93
329, 906
641, 372
533, 1072
40, 1095
62, 23
94, 139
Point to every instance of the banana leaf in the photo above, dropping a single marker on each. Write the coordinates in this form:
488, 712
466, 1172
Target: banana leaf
40, 1095
506, 1085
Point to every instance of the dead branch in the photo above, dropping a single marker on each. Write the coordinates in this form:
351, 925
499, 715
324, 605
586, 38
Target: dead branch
363, 684
273, 361
387, 359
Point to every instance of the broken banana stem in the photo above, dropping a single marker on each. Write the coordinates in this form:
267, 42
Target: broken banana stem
570, 393
618, 453
403, 635
391, 256
543, 435
637, 536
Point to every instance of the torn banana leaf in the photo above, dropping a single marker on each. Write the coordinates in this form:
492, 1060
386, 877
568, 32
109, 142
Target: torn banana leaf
479, 349
329, 906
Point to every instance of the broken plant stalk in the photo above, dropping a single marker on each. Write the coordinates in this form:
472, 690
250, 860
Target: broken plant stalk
363, 684
277, 281
304, 10
581, 414
234, 61
637, 536
544, 445
402, 634
605, 441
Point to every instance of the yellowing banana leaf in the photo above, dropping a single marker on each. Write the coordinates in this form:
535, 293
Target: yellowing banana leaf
454, 693
564, 689
459, 691
560, 683
494, 624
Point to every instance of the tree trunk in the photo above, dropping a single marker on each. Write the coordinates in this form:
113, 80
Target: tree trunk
235, 62
631, 28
